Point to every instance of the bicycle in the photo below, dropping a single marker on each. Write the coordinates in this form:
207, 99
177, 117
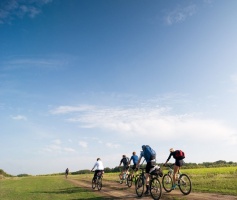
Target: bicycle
97, 181
184, 182
154, 184
123, 176
131, 177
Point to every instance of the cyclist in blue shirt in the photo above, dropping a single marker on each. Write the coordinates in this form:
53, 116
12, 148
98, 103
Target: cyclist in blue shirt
133, 158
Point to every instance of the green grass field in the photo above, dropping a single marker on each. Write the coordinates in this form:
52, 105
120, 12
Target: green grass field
214, 180
42, 187
221, 180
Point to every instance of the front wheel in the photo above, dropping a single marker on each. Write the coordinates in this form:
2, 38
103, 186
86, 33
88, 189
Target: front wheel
155, 188
185, 184
167, 182
139, 186
93, 183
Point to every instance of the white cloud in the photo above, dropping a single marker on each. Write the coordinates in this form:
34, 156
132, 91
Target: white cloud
12, 9
233, 78
111, 145
153, 121
68, 149
19, 117
70, 109
180, 14
56, 146
57, 141
83, 144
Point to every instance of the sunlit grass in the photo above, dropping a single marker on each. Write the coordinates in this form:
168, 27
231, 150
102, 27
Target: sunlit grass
42, 187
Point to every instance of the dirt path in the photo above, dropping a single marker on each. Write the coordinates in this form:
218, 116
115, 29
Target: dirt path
114, 190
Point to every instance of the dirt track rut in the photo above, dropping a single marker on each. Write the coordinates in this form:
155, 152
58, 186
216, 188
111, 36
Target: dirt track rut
114, 190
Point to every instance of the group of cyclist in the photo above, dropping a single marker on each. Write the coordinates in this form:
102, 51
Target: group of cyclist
150, 164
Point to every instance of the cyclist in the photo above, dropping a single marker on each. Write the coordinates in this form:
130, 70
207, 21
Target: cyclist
150, 160
124, 160
133, 158
99, 167
177, 165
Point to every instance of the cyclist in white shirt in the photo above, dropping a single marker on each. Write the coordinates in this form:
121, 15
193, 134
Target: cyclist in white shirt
99, 167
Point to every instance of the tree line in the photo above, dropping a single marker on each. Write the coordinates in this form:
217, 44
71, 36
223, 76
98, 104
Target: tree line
219, 163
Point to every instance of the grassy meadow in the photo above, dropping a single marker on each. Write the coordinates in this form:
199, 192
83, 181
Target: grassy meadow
42, 187
222, 180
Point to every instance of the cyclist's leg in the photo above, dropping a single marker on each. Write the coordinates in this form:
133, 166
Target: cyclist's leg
148, 167
96, 171
176, 170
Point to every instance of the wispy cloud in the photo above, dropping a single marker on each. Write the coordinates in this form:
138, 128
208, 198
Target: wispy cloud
83, 144
111, 145
57, 141
12, 9
180, 14
233, 80
56, 146
19, 117
34, 63
70, 109
156, 122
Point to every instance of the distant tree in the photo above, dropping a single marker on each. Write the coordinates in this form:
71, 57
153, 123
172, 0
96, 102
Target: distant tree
22, 175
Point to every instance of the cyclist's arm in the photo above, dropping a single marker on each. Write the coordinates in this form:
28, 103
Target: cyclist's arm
130, 161
138, 162
168, 158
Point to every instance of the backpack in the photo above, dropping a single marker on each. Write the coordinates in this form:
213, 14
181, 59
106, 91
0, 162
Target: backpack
179, 154
149, 153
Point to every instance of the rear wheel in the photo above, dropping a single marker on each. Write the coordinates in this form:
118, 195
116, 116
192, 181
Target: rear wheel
139, 186
167, 182
155, 188
185, 184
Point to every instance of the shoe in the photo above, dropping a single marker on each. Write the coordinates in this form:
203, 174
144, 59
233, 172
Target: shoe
173, 187
147, 192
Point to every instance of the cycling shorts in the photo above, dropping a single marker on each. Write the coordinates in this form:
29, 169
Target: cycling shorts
179, 163
134, 167
148, 167
125, 167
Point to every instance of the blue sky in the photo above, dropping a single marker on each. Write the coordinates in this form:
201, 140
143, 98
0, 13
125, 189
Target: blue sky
87, 79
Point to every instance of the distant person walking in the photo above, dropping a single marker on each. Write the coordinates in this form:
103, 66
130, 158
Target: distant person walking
66, 172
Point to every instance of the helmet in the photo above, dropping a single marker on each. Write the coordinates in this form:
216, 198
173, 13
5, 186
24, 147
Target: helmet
171, 150
143, 147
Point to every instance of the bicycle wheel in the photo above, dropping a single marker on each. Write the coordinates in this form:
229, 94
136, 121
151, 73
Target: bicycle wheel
139, 186
120, 180
185, 184
155, 188
93, 183
129, 180
167, 182
99, 183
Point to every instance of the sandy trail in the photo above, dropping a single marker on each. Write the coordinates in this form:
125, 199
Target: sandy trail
114, 190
